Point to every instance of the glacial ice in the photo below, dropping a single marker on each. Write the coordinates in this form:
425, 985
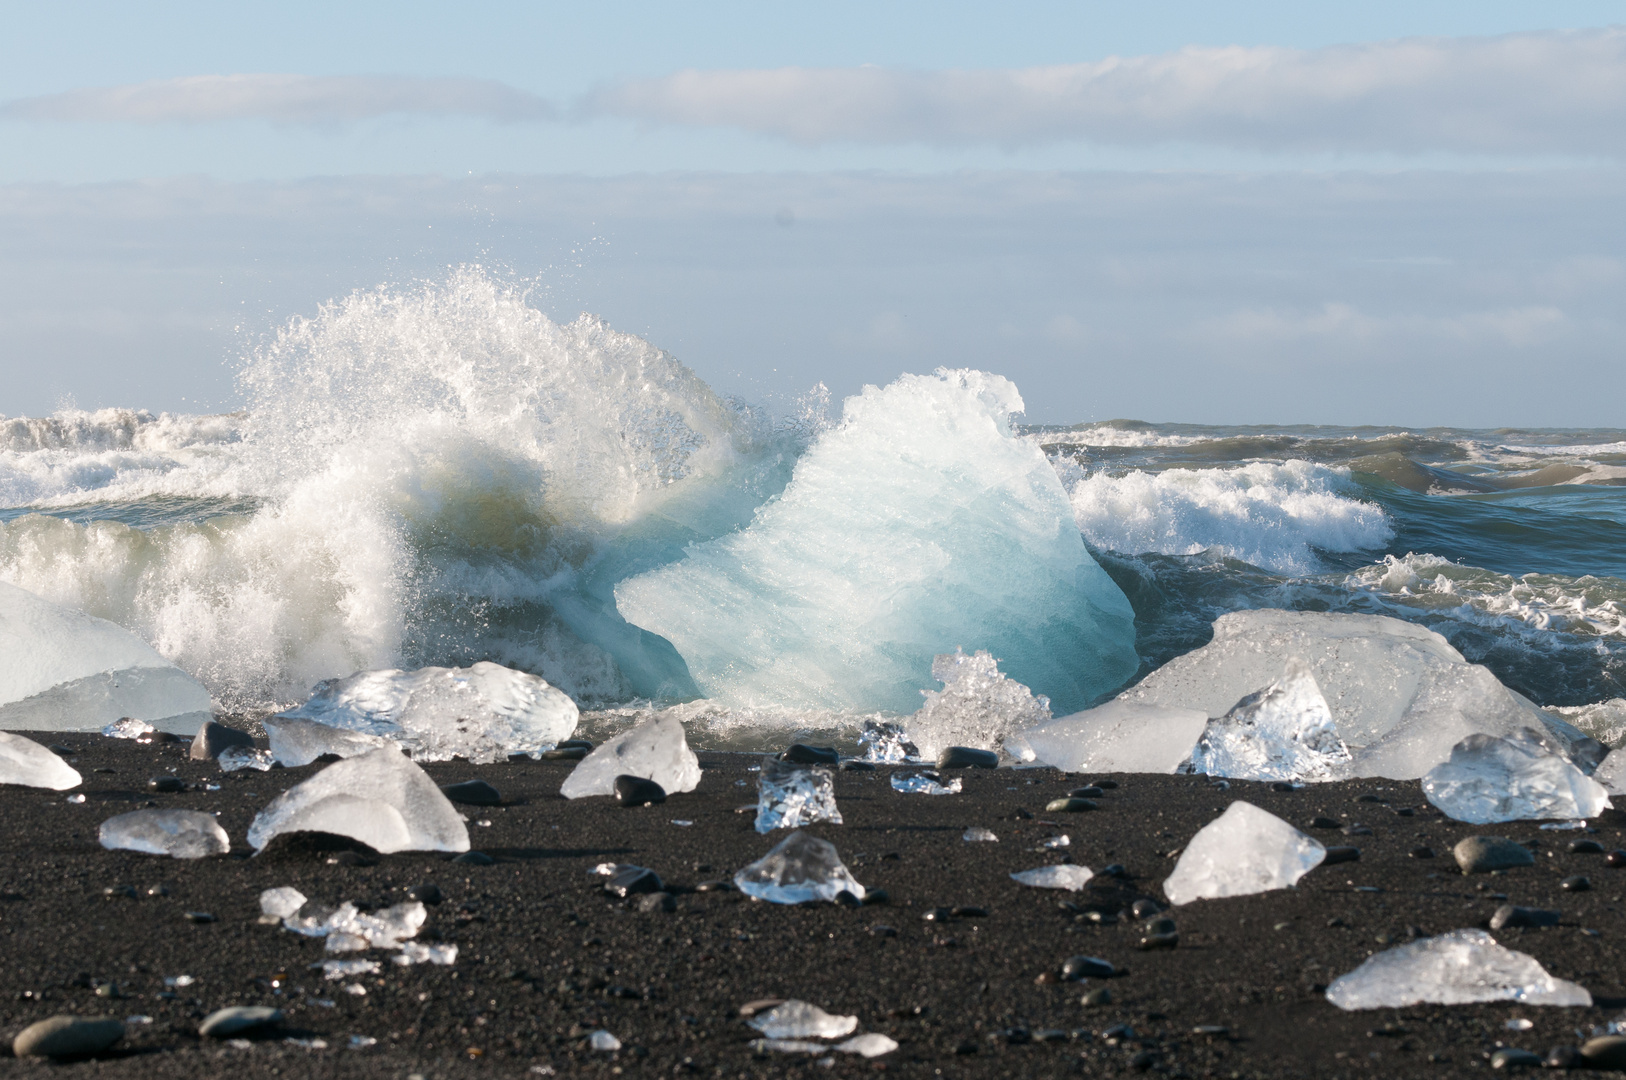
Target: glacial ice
799, 869
870, 1044
234, 758
1119, 736
300, 742
183, 834
26, 763
281, 901
655, 749
482, 713
1283, 732
603, 1040
128, 727
380, 798
1399, 694
1518, 778
349, 929
1612, 773
919, 523
1066, 876
926, 783
63, 670
790, 796
1459, 968
976, 834
977, 707
1245, 850
885, 741
414, 952
799, 1020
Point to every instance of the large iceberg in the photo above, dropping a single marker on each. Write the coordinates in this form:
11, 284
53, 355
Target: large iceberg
63, 670
482, 713
1119, 736
380, 798
919, 524
1283, 732
1520, 778
978, 706
1459, 968
1245, 850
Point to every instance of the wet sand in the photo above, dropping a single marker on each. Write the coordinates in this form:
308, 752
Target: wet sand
546, 956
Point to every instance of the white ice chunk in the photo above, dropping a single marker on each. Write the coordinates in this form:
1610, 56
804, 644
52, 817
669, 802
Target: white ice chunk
885, 741
1612, 773
184, 834
1119, 736
920, 523
790, 796
655, 749
282, 901
603, 1040
1514, 779
63, 670
1283, 732
28, 764
299, 742
977, 707
482, 713
128, 727
234, 758
1459, 968
924, 784
413, 952
871, 1044
1069, 877
379, 798
1243, 851
800, 1020
799, 869
334, 970
978, 835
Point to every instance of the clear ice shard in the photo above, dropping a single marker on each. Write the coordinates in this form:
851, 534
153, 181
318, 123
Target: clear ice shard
978, 835
300, 742
1612, 773
1399, 694
1067, 876
64, 670
281, 901
978, 706
347, 928
921, 522
1513, 779
1245, 850
379, 798
799, 1020
234, 758
927, 783
790, 796
1119, 736
28, 764
1283, 732
885, 741
603, 1040
800, 869
413, 952
1459, 968
655, 749
128, 727
183, 834
482, 713
870, 1044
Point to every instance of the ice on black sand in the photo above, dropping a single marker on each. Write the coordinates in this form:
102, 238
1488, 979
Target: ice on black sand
28, 764
1119, 736
379, 798
1283, 732
801, 868
655, 749
1245, 850
790, 796
297, 742
1459, 968
234, 758
926, 783
790, 1026
184, 834
1519, 778
1065, 876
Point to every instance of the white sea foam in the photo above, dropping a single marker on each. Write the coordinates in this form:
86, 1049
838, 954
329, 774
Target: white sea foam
1585, 606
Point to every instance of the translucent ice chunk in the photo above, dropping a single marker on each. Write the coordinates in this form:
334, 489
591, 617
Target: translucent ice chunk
656, 749
63, 670
334, 970
870, 1044
282, 901
184, 834
379, 798
299, 742
1458, 968
482, 713
1119, 736
799, 869
1283, 732
27, 763
1243, 851
1612, 773
381, 928
885, 741
924, 784
1514, 779
603, 1040
977, 707
128, 727
978, 835
920, 522
245, 757
413, 952
790, 796
1069, 877
800, 1020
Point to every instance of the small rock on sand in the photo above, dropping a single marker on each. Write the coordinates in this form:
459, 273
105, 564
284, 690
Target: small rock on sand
68, 1036
1482, 854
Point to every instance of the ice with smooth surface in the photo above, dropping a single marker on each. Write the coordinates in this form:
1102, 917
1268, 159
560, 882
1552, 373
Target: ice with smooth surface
603, 1040
885, 741
183, 834
655, 749
380, 798
64, 670
234, 758
1245, 850
978, 706
281, 901
923, 784
1067, 876
1514, 779
1283, 732
26, 763
978, 835
128, 727
296, 742
800, 868
482, 713
920, 523
870, 1044
790, 796
1612, 773
800, 1020
1118, 736
1459, 968
1399, 694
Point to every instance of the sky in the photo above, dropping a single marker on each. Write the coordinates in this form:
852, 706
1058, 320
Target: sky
1247, 213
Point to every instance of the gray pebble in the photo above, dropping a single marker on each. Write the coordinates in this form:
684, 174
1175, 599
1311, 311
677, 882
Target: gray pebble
1511, 1058
1087, 967
1070, 806
239, 1020
1509, 916
1482, 854
68, 1036
650, 903
212, 738
965, 757
472, 793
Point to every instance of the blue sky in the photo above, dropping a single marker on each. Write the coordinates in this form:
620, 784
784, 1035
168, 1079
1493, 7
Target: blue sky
1386, 212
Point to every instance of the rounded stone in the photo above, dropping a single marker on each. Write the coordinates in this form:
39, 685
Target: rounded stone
1483, 854
802, 754
472, 793
638, 791
1509, 1057
1616, 858
212, 738
428, 893
1578, 883
1070, 806
565, 753
239, 1020
1337, 855
966, 757
1605, 1052
1087, 967
1585, 847
167, 785
68, 1036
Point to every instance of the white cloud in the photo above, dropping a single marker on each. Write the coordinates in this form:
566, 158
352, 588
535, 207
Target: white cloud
289, 99
1529, 93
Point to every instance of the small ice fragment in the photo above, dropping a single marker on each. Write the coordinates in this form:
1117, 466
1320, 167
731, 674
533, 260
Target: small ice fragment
138, 1019
183, 834
1245, 850
1520, 1023
334, 970
296, 742
178, 981
1563, 826
978, 835
28, 764
413, 952
799, 869
885, 741
655, 750
379, 798
1056, 841
1283, 732
603, 1040
1491, 779
924, 784
978, 706
801, 1020
1069, 877
305, 1044
361, 1042
282, 901
77, 800
339, 941
355, 989
1458, 968
681, 823
790, 796
245, 757
604, 869
128, 727
870, 1044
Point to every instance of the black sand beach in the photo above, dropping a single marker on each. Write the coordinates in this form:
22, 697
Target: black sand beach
546, 957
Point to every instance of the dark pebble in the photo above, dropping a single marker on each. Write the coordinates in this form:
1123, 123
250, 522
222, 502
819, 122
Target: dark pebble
1160, 926
472, 793
715, 886
1578, 883
1088, 792
1563, 1057
855, 765
1585, 847
1421, 853
303, 846
638, 791
1087, 967
167, 785
802, 754
161, 738
1616, 858
965, 757
1509, 916
199, 917
1145, 908
847, 899
212, 738
574, 744
1070, 806
1106, 785
427, 893
1100, 995
1286, 785
1354, 829
1405, 811
650, 903
968, 911
62, 751
120, 892
1336, 855
882, 930
1367, 798
1510, 1058
1114, 870
631, 880
475, 858
1323, 822
565, 753
1159, 941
